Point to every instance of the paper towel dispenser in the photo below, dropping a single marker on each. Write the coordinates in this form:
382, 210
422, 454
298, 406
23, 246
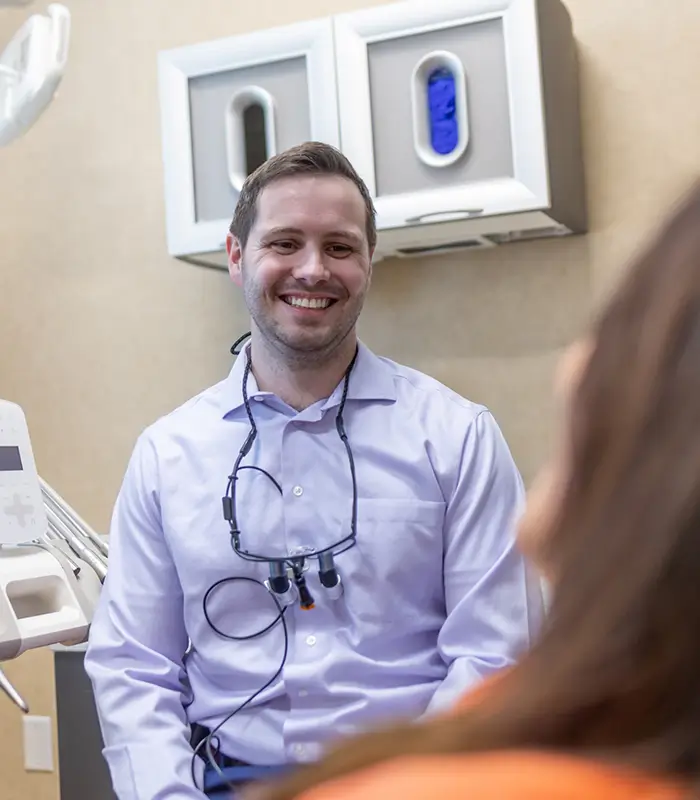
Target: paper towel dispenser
462, 116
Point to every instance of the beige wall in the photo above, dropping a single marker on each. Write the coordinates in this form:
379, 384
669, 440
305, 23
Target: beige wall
102, 331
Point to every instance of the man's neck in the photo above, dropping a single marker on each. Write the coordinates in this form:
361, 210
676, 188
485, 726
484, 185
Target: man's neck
303, 384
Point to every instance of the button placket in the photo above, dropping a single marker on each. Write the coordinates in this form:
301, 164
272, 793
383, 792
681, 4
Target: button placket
295, 493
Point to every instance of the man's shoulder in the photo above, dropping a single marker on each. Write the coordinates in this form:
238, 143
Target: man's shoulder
422, 391
193, 415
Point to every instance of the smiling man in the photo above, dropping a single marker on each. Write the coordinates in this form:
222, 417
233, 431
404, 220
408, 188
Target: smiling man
321, 541
301, 245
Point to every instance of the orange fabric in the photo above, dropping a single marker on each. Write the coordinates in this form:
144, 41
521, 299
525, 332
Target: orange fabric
496, 776
507, 775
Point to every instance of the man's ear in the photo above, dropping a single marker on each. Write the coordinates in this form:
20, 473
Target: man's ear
235, 254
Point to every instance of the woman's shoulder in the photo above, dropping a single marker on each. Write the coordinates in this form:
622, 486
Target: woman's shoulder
512, 775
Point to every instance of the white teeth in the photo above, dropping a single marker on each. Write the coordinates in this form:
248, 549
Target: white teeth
308, 302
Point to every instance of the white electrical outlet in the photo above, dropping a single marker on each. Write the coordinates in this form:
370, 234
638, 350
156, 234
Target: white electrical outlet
38, 744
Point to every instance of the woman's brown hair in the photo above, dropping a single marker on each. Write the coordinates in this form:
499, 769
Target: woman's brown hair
615, 674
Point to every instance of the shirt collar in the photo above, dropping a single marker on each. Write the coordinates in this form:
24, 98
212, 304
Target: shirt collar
371, 379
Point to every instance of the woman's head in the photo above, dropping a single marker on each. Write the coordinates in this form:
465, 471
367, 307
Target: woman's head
615, 519
628, 448
615, 523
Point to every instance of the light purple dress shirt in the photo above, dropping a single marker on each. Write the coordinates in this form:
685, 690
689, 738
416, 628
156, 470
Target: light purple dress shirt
436, 596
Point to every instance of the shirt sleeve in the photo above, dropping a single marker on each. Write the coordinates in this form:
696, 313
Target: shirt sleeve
493, 597
136, 648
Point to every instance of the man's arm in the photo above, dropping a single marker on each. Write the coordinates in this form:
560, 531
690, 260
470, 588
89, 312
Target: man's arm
493, 597
136, 648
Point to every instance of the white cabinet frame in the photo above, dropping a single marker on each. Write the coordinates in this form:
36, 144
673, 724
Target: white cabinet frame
528, 190
312, 40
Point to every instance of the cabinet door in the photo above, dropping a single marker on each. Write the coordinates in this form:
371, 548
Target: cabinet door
226, 107
441, 108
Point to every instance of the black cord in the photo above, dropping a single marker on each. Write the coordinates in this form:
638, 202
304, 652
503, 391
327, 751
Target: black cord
236, 346
229, 636
210, 743
229, 499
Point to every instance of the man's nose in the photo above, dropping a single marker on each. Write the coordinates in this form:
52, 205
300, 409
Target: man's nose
311, 267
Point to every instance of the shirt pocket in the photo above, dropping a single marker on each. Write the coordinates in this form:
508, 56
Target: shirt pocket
394, 572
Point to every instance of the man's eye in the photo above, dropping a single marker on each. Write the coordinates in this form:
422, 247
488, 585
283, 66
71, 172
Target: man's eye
284, 246
340, 249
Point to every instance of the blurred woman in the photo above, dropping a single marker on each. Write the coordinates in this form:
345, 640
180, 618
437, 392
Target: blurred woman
607, 703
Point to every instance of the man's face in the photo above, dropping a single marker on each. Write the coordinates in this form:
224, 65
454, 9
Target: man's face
306, 267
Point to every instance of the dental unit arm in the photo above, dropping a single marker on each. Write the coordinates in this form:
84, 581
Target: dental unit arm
52, 565
31, 68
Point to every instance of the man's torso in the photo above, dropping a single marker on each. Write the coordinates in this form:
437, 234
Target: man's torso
373, 652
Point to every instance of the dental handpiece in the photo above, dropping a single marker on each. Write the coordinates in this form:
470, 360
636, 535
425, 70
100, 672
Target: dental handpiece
12, 693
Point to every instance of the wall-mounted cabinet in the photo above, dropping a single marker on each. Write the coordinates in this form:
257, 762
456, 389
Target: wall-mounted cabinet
226, 106
462, 116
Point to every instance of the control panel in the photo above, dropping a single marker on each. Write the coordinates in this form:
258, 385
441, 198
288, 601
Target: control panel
22, 513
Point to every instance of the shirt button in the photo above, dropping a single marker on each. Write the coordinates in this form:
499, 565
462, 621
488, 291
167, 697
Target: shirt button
311, 640
298, 491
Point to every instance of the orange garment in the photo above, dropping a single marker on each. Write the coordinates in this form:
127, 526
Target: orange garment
502, 775
508, 775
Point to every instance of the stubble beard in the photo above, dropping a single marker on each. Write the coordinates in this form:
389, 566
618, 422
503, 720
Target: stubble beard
297, 351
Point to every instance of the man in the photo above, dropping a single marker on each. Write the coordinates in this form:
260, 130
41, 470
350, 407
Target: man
376, 503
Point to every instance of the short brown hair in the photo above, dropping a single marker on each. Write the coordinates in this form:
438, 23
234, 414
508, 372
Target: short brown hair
310, 158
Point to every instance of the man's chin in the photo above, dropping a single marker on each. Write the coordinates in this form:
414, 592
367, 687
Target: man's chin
310, 346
